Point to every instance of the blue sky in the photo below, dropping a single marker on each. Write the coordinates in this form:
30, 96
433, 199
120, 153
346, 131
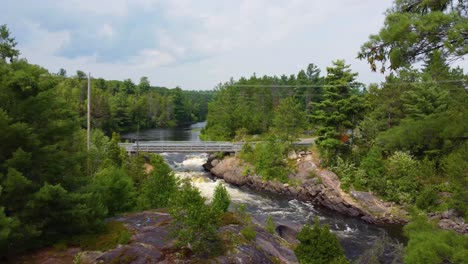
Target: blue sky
193, 44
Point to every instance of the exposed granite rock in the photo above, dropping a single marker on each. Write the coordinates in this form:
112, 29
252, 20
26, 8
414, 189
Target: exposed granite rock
151, 243
288, 233
321, 187
450, 220
458, 225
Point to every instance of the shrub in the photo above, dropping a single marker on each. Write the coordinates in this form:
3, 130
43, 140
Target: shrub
246, 171
269, 160
402, 183
221, 199
116, 190
194, 225
317, 245
429, 244
427, 198
160, 186
270, 225
249, 232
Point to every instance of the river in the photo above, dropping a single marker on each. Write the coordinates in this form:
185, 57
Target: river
354, 234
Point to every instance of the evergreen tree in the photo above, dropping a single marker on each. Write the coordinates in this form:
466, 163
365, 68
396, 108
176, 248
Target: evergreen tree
7, 45
339, 111
289, 121
414, 29
317, 245
160, 186
221, 199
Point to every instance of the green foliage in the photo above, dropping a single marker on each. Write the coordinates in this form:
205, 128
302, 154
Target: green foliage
113, 234
349, 175
116, 190
339, 111
221, 200
159, 187
428, 244
402, 181
7, 45
194, 225
249, 232
318, 245
251, 106
270, 225
413, 30
456, 169
427, 198
289, 121
269, 160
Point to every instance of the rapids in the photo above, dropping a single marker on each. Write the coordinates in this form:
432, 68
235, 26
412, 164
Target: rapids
355, 235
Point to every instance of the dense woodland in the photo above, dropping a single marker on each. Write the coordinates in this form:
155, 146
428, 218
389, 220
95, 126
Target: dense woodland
121, 106
51, 187
403, 139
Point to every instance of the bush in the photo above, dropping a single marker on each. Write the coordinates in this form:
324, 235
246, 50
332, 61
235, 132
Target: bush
160, 186
116, 190
270, 225
317, 245
221, 200
249, 232
401, 178
374, 168
194, 224
269, 160
429, 244
427, 198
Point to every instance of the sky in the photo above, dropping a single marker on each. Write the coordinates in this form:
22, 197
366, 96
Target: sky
193, 44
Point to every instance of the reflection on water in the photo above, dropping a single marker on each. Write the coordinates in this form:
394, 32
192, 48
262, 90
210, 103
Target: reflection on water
187, 133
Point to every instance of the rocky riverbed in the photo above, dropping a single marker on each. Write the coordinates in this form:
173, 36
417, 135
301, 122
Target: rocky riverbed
322, 187
313, 184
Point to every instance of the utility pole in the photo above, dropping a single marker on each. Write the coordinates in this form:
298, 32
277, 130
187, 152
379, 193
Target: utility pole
89, 113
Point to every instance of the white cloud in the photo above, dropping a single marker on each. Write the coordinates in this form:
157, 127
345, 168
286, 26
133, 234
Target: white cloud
152, 58
106, 30
196, 44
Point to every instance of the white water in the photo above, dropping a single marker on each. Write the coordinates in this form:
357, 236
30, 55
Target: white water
355, 235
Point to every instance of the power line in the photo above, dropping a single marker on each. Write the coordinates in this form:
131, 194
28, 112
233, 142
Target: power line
334, 85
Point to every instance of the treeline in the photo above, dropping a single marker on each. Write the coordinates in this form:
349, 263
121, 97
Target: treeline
121, 106
53, 189
404, 139
247, 106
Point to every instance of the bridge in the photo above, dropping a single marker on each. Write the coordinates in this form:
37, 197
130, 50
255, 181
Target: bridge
181, 146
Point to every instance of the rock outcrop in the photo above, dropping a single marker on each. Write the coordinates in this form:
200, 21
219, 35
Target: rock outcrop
311, 184
151, 243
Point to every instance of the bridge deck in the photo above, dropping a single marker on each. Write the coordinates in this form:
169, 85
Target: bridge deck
181, 146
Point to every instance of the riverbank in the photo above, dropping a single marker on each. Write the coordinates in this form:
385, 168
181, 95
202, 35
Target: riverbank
310, 183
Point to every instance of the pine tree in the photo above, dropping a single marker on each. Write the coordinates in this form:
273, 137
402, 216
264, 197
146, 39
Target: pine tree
317, 245
341, 108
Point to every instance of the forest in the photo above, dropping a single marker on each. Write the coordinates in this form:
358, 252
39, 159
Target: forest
404, 139
122, 106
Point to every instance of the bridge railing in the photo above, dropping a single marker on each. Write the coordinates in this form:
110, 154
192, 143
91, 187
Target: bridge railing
181, 146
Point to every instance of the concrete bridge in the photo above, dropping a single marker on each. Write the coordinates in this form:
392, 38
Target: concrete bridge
182, 146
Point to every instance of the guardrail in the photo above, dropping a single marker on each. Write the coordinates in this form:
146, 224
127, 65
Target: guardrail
181, 146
